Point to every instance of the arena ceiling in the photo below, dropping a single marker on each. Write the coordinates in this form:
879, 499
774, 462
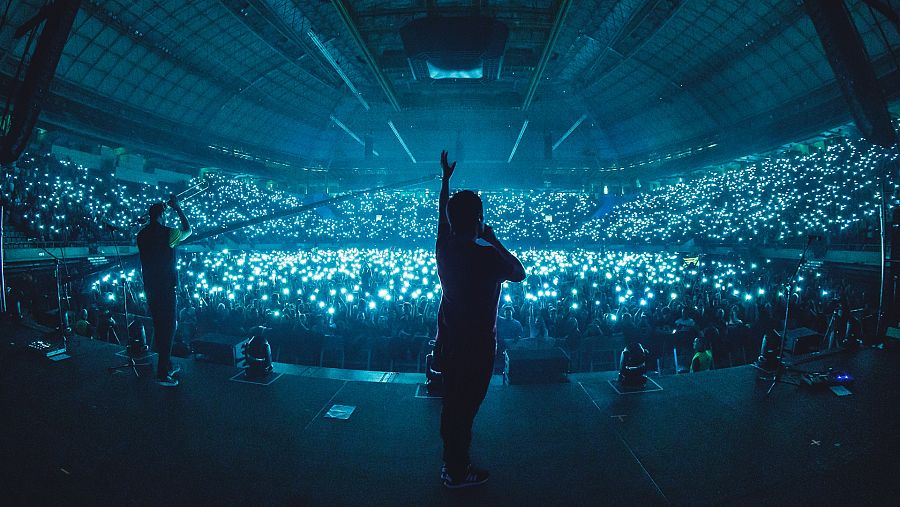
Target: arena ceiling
646, 83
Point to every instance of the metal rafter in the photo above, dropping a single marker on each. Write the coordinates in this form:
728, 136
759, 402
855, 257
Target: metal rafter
277, 35
81, 110
348, 17
233, 85
605, 35
636, 21
701, 72
213, 73
561, 13
728, 55
454, 10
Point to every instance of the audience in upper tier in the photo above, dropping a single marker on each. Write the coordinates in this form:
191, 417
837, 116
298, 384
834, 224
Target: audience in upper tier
832, 192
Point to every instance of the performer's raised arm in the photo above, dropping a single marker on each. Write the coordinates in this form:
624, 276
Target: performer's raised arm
179, 235
443, 222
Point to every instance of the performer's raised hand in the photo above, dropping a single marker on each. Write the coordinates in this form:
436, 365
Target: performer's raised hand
447, 167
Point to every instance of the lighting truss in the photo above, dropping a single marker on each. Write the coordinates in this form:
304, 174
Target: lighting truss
402, 143
337, 68
518, 139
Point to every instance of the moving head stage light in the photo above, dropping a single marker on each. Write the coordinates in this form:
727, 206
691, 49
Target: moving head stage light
633, 365
258, 355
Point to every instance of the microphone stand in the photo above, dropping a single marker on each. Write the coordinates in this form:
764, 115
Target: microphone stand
63, 328
2, 261
787, 307
130, 350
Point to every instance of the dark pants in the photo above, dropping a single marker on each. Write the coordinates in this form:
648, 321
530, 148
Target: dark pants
162, 309
466, 381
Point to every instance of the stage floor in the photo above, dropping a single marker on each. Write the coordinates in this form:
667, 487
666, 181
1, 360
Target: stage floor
73, 432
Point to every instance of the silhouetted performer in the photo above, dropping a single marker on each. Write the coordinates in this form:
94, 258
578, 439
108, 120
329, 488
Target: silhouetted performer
156, 244
471, 276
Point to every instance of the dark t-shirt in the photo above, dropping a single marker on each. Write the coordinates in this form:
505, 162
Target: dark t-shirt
509, 329
471, 276
156, 245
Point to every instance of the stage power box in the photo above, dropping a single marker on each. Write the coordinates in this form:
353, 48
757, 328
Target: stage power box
219, 348
541, 366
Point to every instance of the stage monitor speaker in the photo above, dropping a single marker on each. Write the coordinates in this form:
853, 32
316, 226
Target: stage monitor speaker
57, 19
802, 340
542, 366
220, 348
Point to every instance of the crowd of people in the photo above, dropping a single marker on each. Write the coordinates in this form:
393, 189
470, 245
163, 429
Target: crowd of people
50, 199
831, 192
353, 276
378, 307
56, 200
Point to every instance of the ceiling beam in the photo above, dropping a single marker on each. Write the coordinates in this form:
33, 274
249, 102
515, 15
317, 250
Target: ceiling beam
337, 68
81, 111
501, 12
231, 84
886, 11
640, 28
350, 133
402, 142
518, 140
569, 132
691, 81
561, 13
349, 20
270, 29
203, 68
594, 36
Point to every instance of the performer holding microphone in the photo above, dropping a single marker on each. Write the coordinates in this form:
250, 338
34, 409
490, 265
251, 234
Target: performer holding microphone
471, 274
156, 244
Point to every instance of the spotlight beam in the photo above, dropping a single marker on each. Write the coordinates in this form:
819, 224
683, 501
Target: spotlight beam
337, 68
518, 139
402, 143
569, 132
350, 132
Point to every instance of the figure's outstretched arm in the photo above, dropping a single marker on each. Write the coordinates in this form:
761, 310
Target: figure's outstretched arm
179, 235
443, 222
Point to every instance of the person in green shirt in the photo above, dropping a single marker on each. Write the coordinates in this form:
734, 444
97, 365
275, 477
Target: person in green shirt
702, 355
83, 326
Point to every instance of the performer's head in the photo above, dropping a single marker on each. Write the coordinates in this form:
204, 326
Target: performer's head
156, 211
465, 214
